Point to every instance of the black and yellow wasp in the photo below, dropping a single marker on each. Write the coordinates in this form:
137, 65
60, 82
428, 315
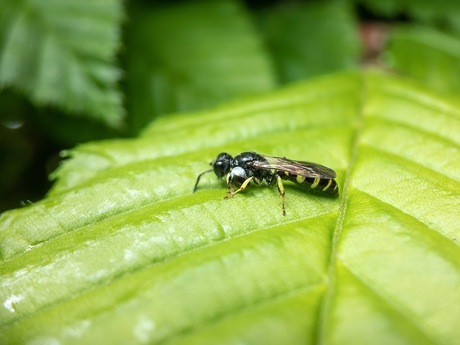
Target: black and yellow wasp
253, 167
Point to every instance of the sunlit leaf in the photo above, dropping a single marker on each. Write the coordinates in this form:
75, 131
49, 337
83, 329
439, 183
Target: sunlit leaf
122, 252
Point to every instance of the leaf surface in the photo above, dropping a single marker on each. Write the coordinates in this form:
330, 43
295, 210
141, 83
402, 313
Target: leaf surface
122, 252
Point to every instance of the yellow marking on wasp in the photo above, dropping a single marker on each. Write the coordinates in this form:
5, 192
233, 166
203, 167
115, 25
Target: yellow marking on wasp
281, 191
315, 183
328, 185
243, 187
286, 173
300, 179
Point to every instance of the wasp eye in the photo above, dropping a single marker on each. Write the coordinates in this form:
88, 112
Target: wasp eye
222, 164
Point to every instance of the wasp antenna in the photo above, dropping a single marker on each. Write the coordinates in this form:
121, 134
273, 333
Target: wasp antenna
198, 178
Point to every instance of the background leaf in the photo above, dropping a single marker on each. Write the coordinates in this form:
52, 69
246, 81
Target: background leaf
42, 53
191, 56
310, 39
122, 252
430, 56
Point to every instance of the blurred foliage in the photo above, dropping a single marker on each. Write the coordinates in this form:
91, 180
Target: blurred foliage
310, 39
443, 14
194, 56
61, 52
427, 55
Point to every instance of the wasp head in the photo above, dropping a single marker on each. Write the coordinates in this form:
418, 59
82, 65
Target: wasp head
221, 167
222, 164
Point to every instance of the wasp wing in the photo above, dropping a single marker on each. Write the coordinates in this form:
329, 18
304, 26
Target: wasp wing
306, 169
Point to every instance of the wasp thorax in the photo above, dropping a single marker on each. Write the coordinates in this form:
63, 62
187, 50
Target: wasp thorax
222, 164
237, 176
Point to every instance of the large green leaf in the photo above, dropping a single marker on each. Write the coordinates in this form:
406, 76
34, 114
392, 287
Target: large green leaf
122, 252
61, 52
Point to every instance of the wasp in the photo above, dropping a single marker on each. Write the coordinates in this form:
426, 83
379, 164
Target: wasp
249, 167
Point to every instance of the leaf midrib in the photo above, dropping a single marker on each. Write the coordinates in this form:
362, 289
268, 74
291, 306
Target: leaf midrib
326, 303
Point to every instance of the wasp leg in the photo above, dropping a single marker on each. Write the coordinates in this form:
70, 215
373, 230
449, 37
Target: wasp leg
229, 185
198, 179
281, 191
243, 187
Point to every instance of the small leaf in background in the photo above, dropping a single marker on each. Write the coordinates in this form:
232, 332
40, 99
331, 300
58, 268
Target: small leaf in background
122, 251
191, 56
427, 55
307, 40
61, 52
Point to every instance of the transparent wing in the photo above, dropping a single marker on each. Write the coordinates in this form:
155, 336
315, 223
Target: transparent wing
306, 169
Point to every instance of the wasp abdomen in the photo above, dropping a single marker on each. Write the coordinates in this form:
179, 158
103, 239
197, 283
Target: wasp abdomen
318, 184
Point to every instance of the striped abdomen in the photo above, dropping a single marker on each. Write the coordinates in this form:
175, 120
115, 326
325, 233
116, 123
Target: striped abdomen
316, 184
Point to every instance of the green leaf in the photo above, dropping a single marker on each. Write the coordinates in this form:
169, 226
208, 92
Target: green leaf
122, 252
191, 56
311, 39
61, 52
428, 55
